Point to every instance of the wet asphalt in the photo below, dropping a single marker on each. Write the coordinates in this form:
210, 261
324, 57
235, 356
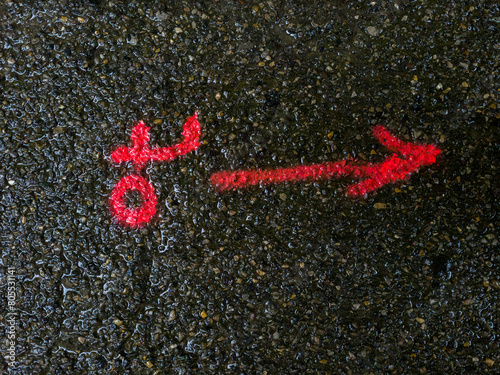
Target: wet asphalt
292, 278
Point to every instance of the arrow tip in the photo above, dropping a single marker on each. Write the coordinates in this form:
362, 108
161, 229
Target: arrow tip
396, 167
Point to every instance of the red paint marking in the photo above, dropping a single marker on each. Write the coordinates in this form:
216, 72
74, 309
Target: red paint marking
137, 216
139, 154
393, 168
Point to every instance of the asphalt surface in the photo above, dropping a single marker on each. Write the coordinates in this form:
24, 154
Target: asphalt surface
292, 278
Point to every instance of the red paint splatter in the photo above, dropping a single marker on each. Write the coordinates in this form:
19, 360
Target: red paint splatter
139, 154
393, 168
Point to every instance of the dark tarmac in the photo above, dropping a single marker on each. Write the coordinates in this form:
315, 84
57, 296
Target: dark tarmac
291, 278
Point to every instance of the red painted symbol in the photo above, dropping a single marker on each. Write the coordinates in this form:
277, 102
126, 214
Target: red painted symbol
392, 168
139, 154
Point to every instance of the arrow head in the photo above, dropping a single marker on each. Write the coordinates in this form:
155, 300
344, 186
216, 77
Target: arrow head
394, 167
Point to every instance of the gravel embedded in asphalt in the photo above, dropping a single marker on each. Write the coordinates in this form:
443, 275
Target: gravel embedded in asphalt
288, 278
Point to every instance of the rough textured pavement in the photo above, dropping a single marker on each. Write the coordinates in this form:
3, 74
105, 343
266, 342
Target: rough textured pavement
292, 278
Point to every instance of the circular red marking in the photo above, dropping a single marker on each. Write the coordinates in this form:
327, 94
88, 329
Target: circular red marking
137, 216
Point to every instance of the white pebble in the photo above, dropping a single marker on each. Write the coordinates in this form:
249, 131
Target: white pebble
372, 30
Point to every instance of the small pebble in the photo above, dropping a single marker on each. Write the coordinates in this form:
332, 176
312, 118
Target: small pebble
171, 316
372, 30
161, 16
489, 362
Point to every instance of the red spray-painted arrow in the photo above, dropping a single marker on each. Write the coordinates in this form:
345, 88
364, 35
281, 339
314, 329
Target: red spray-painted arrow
394, 167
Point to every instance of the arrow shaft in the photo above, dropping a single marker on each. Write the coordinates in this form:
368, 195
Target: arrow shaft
228, 180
